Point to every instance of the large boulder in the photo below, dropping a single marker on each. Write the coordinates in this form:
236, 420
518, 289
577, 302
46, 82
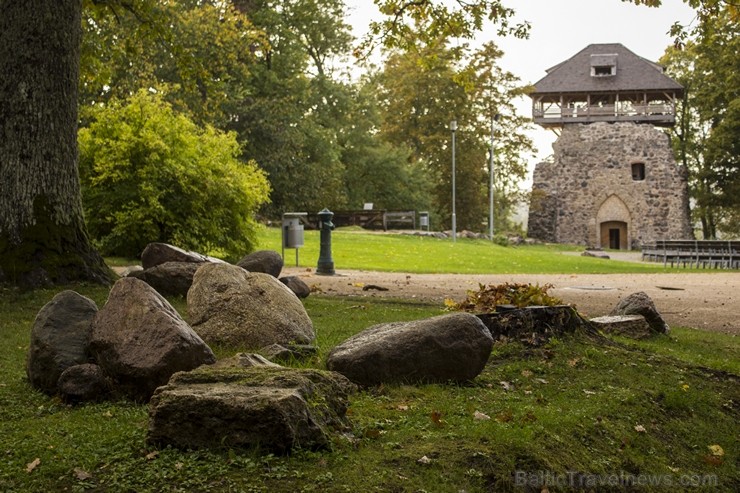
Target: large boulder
59, 339
228, 305
640, 304
169, 278
158, 253
446, 348
139, 340
265, 261
273, 407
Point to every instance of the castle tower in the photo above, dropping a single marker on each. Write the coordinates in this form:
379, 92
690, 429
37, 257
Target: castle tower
613, 181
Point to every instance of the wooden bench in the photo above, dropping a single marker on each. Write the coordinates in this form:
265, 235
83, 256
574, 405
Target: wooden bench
717, 254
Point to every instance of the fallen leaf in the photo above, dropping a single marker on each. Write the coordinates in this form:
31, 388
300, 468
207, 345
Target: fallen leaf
424, 460
403, 407
108, 414
574, 362
526, 373
81, 474
33, 465
541, 380
716, 450
358, 284
640, 429
179, 465
480, 416
152, 455
504, 417
506, 385
588, 392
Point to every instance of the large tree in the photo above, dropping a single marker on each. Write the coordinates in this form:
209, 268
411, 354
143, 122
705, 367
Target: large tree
706, 137
43, 240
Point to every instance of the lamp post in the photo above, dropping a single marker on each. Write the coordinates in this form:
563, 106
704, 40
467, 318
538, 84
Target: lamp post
494, 118
453, 128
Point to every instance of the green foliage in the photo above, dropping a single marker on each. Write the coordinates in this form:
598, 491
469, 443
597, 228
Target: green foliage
705, 139
458, 19
468, 87
203, 51
487, 298
150, 174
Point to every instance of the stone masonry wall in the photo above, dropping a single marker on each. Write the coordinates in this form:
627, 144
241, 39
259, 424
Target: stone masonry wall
590, 182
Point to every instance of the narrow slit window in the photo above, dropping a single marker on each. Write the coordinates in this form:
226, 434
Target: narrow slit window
638, 171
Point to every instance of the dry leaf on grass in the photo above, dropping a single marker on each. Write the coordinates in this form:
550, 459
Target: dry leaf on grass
33, 465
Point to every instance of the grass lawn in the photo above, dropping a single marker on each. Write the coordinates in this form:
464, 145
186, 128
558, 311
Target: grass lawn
355, 249
661, 414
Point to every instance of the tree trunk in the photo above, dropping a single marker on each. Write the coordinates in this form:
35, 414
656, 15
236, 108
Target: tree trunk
43, 240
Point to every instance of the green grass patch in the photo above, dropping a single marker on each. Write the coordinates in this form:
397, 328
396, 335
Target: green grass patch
572, 412
352, 249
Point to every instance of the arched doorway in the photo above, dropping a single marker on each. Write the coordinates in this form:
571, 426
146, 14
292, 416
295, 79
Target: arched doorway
614, 235
613, 222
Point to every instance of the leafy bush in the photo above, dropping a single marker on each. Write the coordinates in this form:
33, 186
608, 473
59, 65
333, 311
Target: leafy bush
150, 174
488, 297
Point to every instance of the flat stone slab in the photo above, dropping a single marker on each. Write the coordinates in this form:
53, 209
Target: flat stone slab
634, 326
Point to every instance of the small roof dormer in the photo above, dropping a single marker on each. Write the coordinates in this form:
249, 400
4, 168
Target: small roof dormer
604, 65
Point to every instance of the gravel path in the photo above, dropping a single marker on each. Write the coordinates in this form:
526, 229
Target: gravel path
708, 300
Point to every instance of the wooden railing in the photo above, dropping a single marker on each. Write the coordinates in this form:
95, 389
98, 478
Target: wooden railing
717, 254
555, 111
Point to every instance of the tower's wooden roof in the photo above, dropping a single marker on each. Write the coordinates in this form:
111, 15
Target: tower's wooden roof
634, 73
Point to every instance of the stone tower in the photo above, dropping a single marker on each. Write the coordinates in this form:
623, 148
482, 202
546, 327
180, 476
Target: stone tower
613, 181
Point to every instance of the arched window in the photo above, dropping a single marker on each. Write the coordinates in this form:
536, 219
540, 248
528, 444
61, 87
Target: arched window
638, 171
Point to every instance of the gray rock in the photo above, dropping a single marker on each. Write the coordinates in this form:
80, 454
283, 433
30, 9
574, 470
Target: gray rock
297, 285
640, 304
158, 253
451, 347
228, 305
169, 278
245, 360
278, 352
132, 270
634, 326
275, 408
140, 340
596, 254
59, 339
265, 261
84, 383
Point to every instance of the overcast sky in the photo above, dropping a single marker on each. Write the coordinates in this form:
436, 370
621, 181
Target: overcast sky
560, 29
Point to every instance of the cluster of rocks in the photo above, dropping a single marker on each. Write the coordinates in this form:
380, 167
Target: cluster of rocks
170, 270
138, 347
634, 316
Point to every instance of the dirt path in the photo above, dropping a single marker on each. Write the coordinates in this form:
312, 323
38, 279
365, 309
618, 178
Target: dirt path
704, 300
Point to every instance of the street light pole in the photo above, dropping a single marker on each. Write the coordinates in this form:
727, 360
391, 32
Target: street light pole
494, 118
453, 128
